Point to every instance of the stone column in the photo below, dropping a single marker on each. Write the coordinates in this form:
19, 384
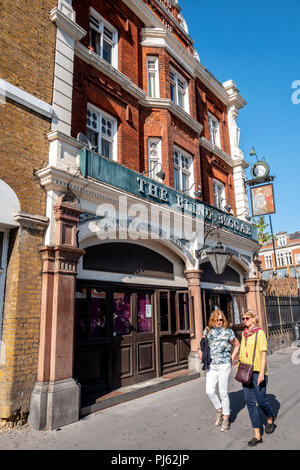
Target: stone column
255, 299
55, 400
194, 281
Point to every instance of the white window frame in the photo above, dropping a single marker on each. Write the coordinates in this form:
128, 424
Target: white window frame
155, 72
282, 240
184, 160
154, 159
3, 266
219, 192
269, 261
289, 258
113, 139
214, 130
102, 23
176, 81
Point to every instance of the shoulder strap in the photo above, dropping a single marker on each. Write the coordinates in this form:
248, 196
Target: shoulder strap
254, 348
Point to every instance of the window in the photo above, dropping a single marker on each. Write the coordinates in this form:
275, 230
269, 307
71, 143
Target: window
268, 261
214, 130
153, 77
102, 132
103, 38
176, 312
219, 194
178, 90
183, 171
289, 258
284, 259
154, 157
281, 240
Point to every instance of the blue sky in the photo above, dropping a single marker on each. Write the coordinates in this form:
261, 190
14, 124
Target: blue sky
256, 44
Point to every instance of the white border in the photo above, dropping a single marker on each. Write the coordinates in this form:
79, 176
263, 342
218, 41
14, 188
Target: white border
26, 99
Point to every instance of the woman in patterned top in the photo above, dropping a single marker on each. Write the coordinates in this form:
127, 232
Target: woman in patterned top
220, 340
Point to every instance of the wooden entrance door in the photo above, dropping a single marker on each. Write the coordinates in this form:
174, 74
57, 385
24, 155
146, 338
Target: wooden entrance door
175, 329
133, 356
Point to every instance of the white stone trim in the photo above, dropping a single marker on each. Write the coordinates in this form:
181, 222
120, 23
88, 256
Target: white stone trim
160, 37
64, 18
208, 145
31, 220
68, 33
96, 61
167, 103
7, 90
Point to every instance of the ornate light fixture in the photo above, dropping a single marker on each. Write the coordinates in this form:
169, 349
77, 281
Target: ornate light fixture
160, 174
219, 257
197, 192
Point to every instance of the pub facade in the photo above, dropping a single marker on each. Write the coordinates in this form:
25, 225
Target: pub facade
144, 177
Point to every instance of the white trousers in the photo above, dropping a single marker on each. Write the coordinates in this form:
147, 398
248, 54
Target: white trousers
219, 374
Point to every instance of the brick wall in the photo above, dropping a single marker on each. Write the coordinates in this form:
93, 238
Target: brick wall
27, 61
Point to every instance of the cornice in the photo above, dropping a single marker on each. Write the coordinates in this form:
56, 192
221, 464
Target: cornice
159, 37
67, 24
167, 103
57, 135
234, 97
216, 150
100, 64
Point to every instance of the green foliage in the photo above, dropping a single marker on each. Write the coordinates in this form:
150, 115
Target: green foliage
263, 234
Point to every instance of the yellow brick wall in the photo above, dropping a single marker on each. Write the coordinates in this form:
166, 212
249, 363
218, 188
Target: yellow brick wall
27, 52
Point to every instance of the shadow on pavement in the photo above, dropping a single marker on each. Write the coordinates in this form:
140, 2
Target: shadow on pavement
237, 403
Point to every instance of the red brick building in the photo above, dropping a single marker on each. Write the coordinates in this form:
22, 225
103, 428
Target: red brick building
286, 259
144, 174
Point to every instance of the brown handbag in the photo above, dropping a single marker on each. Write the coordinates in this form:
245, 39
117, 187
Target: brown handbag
245, 371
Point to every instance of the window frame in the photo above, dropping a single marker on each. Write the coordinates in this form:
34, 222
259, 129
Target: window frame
175, 83
100, 30
215, 138
113, 140
156, 94
223, 202
269, 261
181, 170
153, 160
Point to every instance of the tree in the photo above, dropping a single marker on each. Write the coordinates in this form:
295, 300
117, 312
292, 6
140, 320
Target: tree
263, 235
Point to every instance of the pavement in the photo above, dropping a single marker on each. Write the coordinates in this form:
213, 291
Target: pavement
178, 418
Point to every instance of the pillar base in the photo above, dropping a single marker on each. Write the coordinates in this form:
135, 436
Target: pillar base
54, 404
194, 362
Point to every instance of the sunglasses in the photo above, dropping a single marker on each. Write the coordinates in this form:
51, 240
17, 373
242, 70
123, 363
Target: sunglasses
220, 319
246, 318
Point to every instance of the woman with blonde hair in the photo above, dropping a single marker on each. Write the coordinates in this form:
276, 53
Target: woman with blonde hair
220, 339
254, 341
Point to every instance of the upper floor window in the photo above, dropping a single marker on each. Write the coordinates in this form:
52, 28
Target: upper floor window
153, 77
183, 170
284, 259
102, 132
219, 194
214, 130
179, 89
103, 38
281, 240
268, 261
154, 157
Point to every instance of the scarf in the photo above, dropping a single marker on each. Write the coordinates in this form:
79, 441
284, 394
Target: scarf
247, 334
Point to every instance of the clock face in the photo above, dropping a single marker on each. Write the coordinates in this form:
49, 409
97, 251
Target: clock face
260, 170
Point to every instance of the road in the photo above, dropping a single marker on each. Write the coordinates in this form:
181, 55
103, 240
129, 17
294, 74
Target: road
178, 418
